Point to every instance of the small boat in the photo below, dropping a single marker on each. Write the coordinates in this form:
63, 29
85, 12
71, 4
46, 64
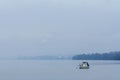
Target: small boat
84, 65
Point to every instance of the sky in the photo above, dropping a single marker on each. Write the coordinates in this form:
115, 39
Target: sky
59, 27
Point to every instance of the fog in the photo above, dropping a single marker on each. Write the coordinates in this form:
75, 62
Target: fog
58, 27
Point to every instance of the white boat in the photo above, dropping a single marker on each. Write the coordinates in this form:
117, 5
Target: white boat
84, 65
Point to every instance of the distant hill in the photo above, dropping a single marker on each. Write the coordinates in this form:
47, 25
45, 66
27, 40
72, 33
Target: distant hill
98, 56
45, 57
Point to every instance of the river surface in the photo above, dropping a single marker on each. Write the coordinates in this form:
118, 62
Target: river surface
58, 70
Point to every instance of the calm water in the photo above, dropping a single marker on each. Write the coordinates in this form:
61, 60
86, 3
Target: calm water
58, 70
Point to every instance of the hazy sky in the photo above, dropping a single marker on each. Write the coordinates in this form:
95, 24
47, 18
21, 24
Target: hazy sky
41, 27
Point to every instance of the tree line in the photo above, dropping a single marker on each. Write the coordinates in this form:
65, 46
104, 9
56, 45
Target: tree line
98, 56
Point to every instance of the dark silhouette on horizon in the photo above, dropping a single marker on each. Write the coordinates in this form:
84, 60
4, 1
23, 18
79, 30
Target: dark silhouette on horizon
98, 56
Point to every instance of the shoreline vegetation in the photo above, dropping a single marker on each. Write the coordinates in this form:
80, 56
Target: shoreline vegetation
90, 56
98, 56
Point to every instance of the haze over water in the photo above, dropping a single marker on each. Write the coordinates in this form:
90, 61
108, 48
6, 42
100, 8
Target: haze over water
34, 28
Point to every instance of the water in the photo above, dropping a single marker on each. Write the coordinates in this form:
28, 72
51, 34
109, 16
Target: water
58, 70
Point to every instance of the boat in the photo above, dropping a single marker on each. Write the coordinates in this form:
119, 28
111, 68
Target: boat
84, 65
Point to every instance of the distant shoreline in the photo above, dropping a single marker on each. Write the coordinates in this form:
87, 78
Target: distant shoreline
98, 56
